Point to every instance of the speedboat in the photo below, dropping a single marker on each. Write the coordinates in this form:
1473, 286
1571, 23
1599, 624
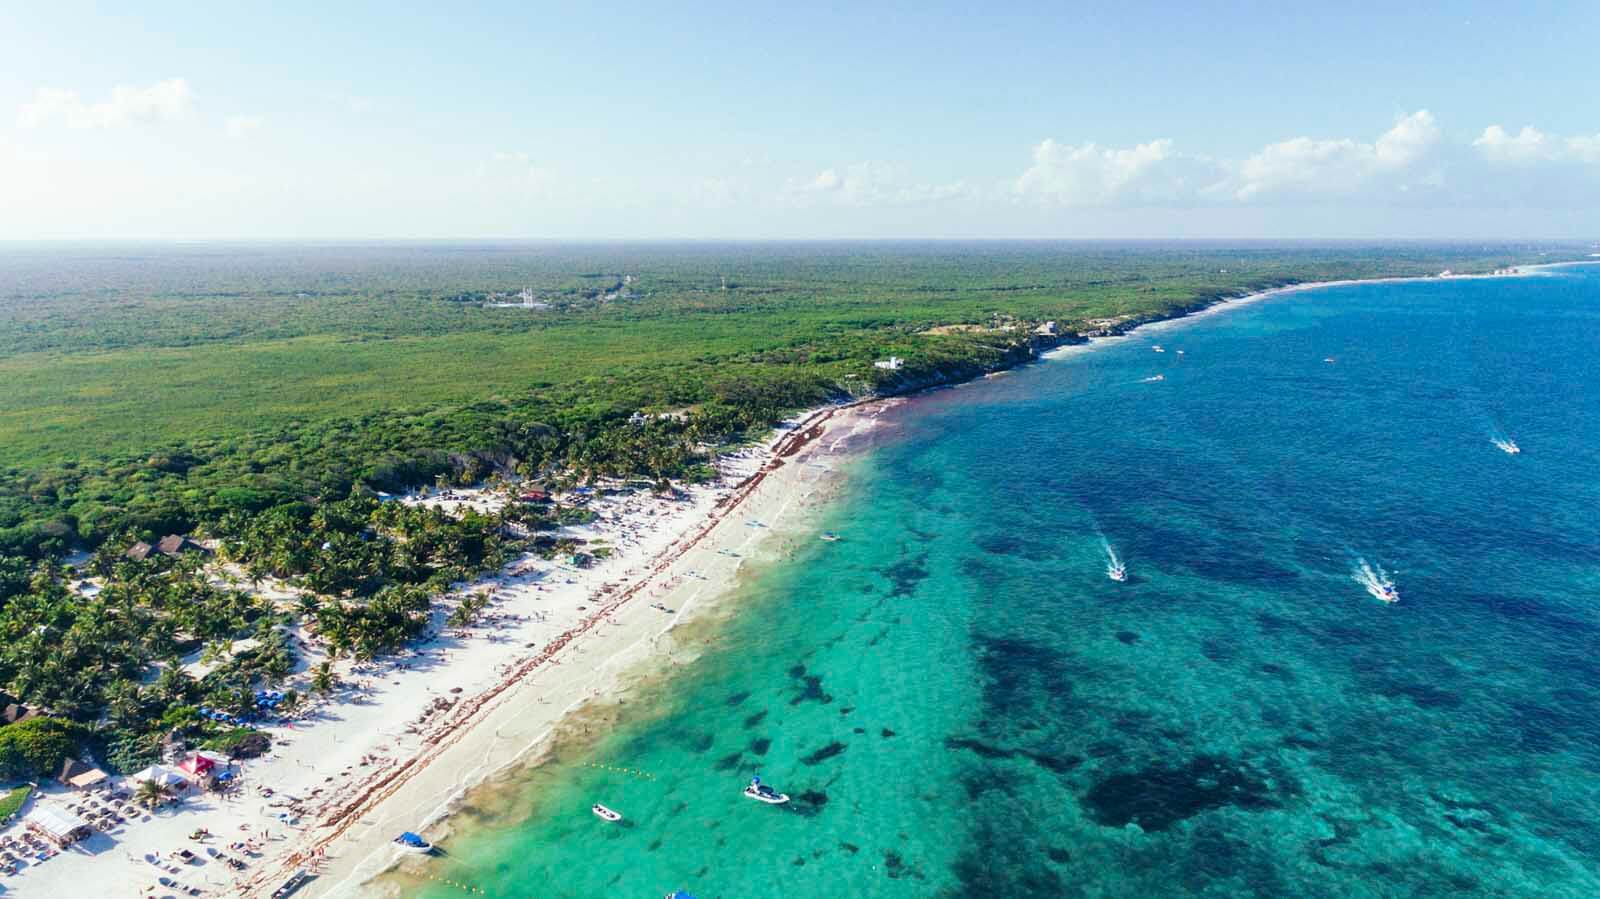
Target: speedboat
830, 536
606, 814
1508, 446
1157, 348
412, 843
1379, 583
760, 792
1116, 569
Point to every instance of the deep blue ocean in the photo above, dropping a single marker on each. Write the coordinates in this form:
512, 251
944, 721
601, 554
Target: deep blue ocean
963, 703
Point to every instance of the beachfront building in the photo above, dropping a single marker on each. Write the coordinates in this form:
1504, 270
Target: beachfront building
208, 770
167, 779
79, 776
59, 827
892, 363
198, 767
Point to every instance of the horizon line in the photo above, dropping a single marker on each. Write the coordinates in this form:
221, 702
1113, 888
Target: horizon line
18, 241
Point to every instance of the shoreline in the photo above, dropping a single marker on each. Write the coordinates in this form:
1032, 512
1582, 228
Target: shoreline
1226, 304
506, 726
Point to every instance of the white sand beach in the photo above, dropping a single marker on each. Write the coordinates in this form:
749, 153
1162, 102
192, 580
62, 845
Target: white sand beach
401, 739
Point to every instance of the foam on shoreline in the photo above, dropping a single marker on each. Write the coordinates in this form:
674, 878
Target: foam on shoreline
632, 642
1228, 304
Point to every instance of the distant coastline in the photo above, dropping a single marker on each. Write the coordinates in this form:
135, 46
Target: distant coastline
1045, 347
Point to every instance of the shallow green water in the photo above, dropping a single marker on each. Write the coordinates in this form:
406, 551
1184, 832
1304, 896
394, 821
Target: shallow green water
962, 703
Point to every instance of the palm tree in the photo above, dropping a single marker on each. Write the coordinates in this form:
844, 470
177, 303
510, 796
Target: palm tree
322, 679
149, 793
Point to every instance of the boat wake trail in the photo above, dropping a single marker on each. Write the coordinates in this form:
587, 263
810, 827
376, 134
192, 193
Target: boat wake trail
1115, 568
1506, 444
1152, 379
1377, 582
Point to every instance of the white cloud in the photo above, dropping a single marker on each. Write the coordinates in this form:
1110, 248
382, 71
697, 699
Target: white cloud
1303, 164
240, 126
1322, 167
870, 184
162, 101
1089, 175
1409, 141
1530, 145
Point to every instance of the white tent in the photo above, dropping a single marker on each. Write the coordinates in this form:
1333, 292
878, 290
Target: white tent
163, 777
59, 826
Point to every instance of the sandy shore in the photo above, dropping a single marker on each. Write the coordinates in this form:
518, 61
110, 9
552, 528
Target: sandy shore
595, 629
401, 740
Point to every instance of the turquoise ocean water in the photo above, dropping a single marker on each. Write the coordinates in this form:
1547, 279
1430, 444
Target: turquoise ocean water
963, 703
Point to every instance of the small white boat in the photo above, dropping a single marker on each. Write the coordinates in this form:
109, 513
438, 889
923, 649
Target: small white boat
1379, 583
1116, 569
830, 536
1180, 352
606, 814
288, 888
760, 792
1330, 360
1507, 445
413, 844
1157, 348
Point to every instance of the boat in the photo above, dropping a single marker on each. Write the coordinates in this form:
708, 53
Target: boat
1507, 445
1379, 583
299, 879
412, 843
1180, 352
1330, 360
679, 894
1116, 569
606, 814
1157, 348
760, 792
830, 536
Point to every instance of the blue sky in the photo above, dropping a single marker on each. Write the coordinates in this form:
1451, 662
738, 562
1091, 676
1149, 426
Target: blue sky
781, 120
